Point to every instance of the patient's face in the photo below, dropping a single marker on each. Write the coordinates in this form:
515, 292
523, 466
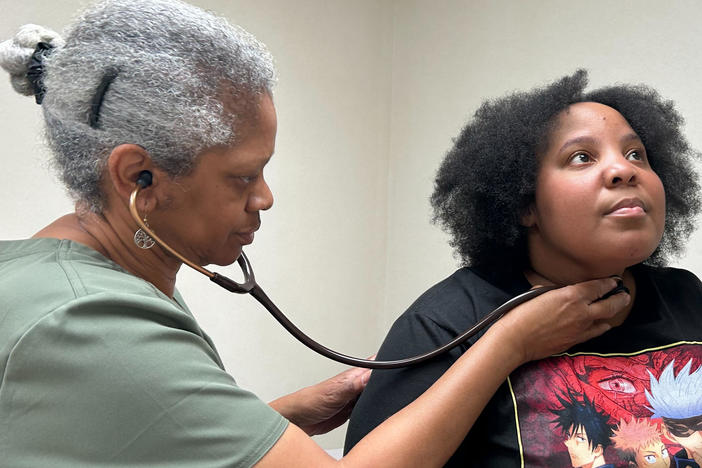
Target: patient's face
599, 207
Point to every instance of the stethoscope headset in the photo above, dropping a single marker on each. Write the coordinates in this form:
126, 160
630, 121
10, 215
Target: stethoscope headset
250, 286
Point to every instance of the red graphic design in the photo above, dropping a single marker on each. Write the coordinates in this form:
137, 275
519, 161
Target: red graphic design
554, 394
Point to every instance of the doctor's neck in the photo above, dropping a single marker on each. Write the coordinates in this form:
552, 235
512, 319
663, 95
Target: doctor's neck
111, 235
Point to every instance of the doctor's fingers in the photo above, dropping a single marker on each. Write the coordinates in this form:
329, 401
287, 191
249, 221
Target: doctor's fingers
592, 290
592, 300
590, 312
601, 289
609, 304
577, 310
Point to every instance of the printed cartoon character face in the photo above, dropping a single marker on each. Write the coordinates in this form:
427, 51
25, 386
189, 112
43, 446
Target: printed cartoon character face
617, 383
579, 447
676, 399
639, 440
653, 456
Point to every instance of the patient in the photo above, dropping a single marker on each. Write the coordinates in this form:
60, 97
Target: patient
556, 186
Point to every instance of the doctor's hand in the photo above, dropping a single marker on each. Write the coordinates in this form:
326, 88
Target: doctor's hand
559, 319
325, 406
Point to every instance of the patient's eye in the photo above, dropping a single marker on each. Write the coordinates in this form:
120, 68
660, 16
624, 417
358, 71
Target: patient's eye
635, 156
580, 158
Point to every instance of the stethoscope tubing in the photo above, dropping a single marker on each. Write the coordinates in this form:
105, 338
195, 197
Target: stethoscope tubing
250, 286
485, 322
257, 292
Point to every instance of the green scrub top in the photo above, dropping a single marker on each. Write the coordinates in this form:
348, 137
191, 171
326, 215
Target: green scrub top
99, 368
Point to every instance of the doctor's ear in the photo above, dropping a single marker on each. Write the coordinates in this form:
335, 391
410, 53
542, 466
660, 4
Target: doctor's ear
128, 166
145, 179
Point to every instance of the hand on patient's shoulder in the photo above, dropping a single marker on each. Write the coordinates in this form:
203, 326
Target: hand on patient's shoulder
319, 408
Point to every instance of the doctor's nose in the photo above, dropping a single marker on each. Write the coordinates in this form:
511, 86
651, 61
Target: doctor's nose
261, 198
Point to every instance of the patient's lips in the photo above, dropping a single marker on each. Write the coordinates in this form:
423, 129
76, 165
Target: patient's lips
627, 207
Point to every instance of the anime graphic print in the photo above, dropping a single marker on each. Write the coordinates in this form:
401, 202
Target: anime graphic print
596, 410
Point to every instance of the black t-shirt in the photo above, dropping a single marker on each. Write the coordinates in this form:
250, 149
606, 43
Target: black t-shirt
594, 394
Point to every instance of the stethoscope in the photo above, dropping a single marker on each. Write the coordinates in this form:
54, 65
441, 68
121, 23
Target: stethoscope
249, 286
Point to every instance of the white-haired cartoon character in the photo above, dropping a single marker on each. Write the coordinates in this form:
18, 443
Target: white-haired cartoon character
678, 401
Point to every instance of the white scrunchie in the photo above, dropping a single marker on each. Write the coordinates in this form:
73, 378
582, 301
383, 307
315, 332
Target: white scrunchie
15, 53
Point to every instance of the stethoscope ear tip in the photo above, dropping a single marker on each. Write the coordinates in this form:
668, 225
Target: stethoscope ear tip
145, 179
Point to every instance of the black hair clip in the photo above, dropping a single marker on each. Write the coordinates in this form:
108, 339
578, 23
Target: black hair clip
35, 71
100, 92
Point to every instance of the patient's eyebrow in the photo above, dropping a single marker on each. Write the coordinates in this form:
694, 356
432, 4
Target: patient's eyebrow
585, 139
630, 137
591, 140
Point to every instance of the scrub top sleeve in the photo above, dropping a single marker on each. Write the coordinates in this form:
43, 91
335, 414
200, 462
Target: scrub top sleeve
130, 385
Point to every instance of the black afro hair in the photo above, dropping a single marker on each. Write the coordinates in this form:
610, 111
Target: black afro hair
488, 179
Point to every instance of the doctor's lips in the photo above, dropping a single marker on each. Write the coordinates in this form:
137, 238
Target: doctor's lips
627, 207
247, 236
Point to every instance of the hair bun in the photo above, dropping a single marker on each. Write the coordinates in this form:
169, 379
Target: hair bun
16, 54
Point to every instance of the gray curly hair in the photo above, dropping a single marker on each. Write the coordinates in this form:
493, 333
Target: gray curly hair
175, 66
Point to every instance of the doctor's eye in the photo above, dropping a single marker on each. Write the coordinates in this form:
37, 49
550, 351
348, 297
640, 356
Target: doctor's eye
244, 179
650, 459
242, 182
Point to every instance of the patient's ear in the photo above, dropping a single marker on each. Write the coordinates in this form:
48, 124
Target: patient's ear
528, 218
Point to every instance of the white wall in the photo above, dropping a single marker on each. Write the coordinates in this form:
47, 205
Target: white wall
370, 94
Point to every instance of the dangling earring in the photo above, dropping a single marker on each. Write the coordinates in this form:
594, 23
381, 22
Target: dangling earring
142, 239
